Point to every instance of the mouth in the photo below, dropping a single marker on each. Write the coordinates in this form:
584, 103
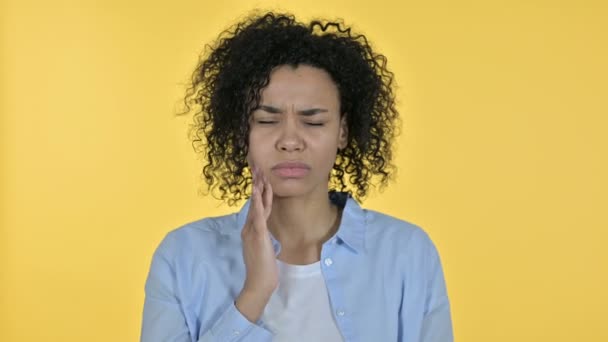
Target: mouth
291, 170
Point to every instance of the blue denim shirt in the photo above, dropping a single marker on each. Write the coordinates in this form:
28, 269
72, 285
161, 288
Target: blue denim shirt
383, 275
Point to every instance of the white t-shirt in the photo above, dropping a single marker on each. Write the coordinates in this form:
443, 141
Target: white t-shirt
299, 309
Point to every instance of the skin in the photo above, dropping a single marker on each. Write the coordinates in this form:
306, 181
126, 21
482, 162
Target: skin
298, 120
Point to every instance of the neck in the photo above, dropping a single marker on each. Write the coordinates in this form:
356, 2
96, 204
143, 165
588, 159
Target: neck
303, 222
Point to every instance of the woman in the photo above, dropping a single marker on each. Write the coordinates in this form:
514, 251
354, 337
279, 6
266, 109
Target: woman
298, 114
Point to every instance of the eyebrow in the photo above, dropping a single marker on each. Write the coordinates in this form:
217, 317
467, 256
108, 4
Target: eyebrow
305, 112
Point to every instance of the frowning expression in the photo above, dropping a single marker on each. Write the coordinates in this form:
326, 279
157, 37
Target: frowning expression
297, 129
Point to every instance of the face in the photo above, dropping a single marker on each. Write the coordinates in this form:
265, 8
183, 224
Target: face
296, 131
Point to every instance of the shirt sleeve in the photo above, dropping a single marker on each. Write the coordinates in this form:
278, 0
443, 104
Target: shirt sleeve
164, 318
437, 321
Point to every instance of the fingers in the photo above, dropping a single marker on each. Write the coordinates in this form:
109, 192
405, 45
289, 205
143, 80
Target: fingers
253, 207
263, 202
267, 198
257, 211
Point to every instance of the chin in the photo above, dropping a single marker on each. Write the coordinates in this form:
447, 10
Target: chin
290, 190
282, 191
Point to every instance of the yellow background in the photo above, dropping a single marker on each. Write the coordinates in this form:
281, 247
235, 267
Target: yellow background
502, 157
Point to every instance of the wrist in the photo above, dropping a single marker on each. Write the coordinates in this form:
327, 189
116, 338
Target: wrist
251, 304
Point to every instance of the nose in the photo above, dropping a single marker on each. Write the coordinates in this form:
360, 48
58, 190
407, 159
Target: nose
289, 137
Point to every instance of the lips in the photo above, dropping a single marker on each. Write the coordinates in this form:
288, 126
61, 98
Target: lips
291, 169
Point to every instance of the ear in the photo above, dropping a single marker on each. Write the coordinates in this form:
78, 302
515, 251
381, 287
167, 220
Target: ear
343, 134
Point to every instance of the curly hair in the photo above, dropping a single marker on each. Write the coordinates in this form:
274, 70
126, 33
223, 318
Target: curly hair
226, 87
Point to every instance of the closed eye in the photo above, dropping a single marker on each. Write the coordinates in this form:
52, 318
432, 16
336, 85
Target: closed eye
315, 123
266, 122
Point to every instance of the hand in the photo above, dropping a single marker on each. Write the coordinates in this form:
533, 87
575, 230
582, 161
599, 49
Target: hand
262, 275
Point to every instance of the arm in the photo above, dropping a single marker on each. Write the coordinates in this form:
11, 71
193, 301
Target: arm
165, 319
436, 322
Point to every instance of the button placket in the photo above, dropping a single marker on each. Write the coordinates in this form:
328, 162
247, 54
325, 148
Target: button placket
328, 256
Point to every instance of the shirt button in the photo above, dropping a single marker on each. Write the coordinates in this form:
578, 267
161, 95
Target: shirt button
328, 261
340, 313
236, 332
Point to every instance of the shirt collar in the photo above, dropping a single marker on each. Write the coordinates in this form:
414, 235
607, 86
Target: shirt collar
352, 225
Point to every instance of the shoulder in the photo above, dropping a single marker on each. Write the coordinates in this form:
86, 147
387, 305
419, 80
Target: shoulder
385, 230
383, 226
200, 238
402, 245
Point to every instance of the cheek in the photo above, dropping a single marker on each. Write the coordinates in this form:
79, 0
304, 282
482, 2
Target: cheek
249, 160
326, 151
251, 154
255, 148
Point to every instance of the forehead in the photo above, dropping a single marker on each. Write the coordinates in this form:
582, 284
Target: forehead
302, 85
